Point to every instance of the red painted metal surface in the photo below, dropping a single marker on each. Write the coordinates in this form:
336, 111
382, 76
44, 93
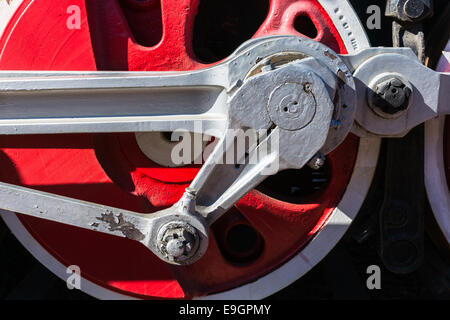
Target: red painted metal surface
110, 169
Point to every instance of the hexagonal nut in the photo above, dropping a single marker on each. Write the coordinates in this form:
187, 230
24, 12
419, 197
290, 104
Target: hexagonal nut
177, 241
390, 96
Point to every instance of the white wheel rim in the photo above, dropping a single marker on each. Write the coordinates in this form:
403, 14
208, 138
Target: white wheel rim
354, 37
435, 177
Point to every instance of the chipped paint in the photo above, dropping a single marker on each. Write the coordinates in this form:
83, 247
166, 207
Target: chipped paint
118, 223
330, 55
341, 75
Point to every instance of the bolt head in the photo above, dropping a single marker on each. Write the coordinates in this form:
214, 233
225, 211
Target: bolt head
390, 96
413, 9
177, 241
317, 162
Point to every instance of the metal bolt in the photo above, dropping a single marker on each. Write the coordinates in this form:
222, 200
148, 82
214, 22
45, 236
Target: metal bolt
175, 248
390, 96
178, 241
317, 161
413, 9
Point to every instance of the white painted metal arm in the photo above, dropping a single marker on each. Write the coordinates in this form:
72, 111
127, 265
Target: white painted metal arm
74, 212
72, 102
143, 228
232, 170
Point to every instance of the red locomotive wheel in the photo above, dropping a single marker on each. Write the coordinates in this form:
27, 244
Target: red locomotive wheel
270, 238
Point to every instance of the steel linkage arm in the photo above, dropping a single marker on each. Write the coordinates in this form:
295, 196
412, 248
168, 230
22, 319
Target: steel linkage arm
396, 92
74, 102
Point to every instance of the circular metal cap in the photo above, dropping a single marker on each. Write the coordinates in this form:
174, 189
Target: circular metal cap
292, 105
414, 8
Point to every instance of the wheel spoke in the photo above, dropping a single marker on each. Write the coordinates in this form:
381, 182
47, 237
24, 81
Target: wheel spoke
271, 225
110, 35
174, 49
282, 20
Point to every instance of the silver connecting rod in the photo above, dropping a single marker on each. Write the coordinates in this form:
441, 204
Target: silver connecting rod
76, 102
